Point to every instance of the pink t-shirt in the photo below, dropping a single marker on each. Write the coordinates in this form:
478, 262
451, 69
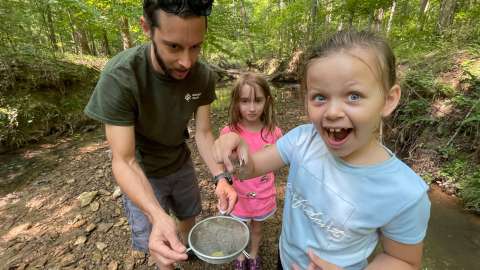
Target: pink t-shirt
256, 196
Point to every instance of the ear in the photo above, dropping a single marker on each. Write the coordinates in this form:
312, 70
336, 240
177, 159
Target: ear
391, 100
145, 26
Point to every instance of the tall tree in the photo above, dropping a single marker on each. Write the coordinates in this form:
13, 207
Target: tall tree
447, 11
125, 33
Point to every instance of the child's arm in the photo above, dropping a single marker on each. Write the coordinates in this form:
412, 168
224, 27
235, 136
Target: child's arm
396, 255
231, 146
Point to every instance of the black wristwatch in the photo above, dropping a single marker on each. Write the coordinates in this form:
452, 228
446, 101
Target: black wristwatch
225, 175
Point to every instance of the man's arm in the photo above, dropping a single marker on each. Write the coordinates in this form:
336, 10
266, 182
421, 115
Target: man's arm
204, 139
163, 243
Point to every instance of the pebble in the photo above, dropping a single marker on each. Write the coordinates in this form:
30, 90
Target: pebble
90, 227
86, 198
101, 246
117, 192
94, 206
69, 259
113, 265
104, 227
80, 240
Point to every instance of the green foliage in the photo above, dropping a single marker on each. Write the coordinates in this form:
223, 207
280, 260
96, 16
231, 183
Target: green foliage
40, 97
466, 177
470, 191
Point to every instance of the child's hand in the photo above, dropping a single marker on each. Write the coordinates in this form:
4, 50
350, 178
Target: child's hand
229, 147
316, 263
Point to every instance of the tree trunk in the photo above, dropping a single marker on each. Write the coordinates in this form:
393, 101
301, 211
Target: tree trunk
246, 32
106, 44
94, 46
447, 11
329, 11
312, 22
350, 19
390, 19
76, 47
377, 19
83, 40
424, 5
125, 33
51, 28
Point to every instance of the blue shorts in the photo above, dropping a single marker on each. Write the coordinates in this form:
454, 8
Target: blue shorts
177, 193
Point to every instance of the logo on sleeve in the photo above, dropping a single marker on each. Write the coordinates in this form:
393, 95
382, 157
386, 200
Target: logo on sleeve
194, 96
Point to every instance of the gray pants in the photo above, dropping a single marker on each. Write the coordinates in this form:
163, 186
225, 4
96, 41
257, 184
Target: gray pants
177, 193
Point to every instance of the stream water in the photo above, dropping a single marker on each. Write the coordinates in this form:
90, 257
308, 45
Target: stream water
453, 238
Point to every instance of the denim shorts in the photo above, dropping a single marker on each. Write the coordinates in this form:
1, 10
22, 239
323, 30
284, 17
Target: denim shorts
177, 193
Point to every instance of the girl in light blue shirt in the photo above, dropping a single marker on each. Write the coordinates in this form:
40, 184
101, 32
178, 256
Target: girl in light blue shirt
346, 191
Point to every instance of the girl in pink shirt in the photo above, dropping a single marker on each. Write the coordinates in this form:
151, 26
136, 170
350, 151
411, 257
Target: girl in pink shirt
252, 116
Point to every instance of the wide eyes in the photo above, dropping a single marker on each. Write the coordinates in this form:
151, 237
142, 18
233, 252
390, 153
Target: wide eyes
354, 97
318, 98
351, 97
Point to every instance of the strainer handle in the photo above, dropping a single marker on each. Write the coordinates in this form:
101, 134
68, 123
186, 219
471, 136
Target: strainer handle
246, 254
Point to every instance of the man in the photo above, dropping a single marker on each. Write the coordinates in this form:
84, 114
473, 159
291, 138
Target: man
146, 96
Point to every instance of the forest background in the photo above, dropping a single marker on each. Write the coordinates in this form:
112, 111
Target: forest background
51, 53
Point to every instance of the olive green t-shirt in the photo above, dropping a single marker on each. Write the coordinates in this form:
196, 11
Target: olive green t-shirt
130, 93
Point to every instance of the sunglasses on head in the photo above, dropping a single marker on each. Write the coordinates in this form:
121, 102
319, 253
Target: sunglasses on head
197, 7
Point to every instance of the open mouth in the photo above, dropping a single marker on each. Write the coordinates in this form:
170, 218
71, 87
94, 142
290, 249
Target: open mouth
337, 135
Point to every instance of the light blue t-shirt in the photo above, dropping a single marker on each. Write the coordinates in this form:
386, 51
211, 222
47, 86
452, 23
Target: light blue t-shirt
338, 210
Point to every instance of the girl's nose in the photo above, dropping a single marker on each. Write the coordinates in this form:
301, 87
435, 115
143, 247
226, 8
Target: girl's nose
251, 105
334, 110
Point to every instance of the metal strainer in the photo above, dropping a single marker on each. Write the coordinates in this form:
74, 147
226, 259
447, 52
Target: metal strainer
219, 239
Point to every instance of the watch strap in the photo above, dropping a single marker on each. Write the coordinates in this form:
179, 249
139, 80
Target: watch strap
222, 175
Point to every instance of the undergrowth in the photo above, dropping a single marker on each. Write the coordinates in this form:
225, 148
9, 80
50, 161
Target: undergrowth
440, 110
41, 96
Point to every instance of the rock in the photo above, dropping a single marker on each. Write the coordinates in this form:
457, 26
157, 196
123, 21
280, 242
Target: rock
120, 222
80, 240
71, 181
101, 246
117, 192
87, 197
97, 256
90, 227
104, 227
94, 206
113, 265
104, 192
79, 223
68, 260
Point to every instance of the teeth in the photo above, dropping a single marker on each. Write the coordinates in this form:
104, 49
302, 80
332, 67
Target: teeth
332, 130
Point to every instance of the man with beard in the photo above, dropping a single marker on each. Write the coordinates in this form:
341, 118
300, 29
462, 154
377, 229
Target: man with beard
146, 96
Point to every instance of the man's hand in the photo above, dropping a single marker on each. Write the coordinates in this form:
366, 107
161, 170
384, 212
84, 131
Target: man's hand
316, 263
227, 196
164, 245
